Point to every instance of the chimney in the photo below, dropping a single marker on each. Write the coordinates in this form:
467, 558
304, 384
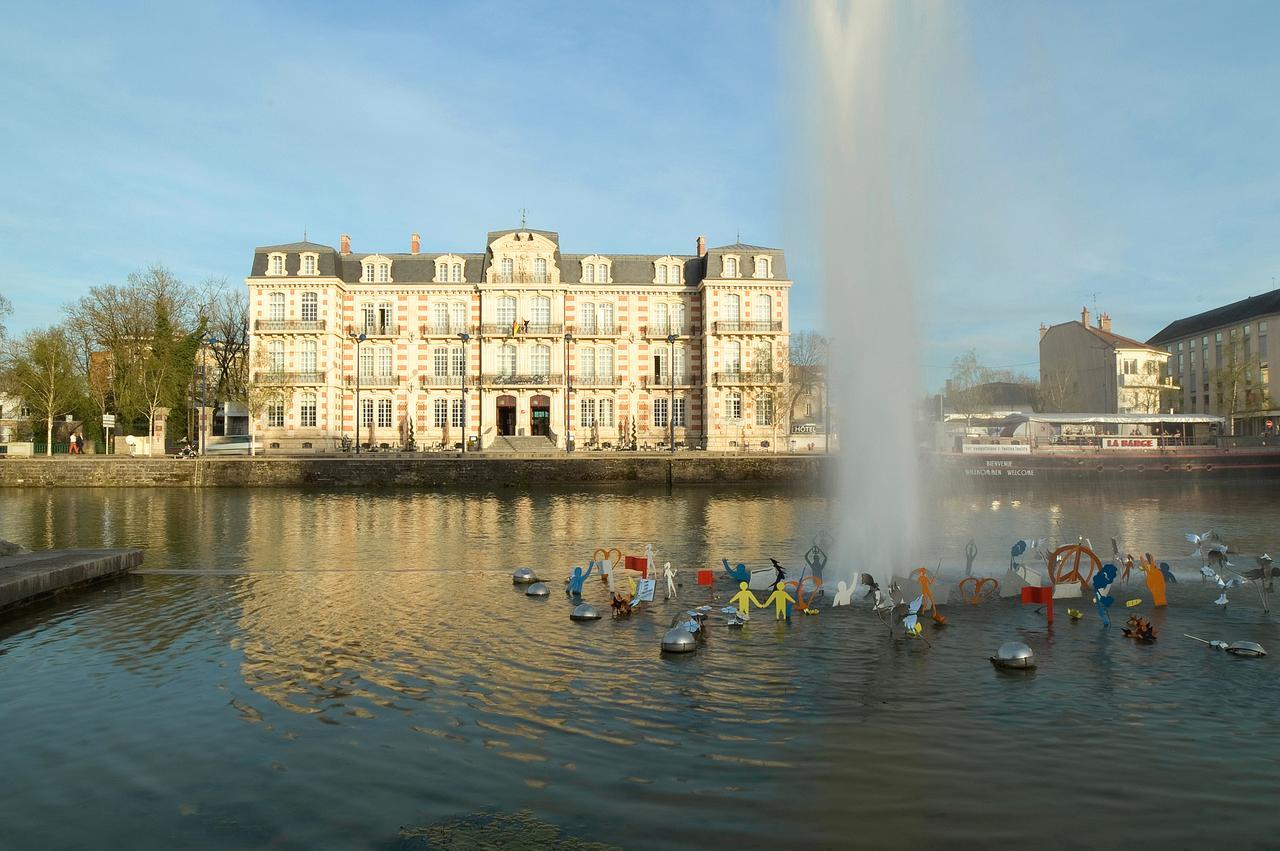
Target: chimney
1084, 316
1044, 329
415, 244
1104, 322
346, 244
702, 246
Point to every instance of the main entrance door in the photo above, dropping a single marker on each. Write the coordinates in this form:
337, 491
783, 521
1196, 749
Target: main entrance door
540, 416
507, 416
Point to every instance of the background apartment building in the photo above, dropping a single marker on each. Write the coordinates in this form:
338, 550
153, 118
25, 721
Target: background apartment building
1221, 361
1089, 369
519, 346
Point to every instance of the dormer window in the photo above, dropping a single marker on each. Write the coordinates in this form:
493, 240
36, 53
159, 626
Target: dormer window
377, 270
275, 264
310, 264
384, 273
449, 269
368, 272
730, 267
764, 267
455, 273
666, 270
596, 270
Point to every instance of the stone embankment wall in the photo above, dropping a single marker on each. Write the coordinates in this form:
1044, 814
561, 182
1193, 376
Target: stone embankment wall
390, 471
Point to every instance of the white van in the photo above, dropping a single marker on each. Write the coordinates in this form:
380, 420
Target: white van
237, 444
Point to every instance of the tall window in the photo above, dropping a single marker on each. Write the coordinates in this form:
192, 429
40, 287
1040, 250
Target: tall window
675, 275
764, 357
384, 361
587, 364
762, 308
277, 264
731, 267
384, 413
275, 413
368, 272
659, 319
587, 312
457, 361
384, 273
442, 272
366, 413
1217, 349
275, 306
308, 264
678, 413
662, 364
369, 316
1262, 340
506, 310
275, 356
540, 361
455, 273
457, 410
602, 273
677, 319
310, 307
440, 317
366, 361
764, 411
507, 360
731, 310
1248, 343
310, 350
604, 413
440, 413
660, 412
540, 269
662, 273
541, 312
307, 411
507, 268
457, 316
587, 412
762, 267
440, 361
604, 364
733, 356
733, 407
604, 316
588, 272
678, 364
386, 316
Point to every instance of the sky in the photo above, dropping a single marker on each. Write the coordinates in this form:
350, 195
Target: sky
1112, 154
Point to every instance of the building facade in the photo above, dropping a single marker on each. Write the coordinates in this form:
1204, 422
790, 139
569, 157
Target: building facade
1086, 368
1221, 361
517, 342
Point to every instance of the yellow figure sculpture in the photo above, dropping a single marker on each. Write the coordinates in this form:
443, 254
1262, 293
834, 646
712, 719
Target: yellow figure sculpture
779, 598
1155, 580
744, 599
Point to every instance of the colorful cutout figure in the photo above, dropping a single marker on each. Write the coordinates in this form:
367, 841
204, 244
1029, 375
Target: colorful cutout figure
780, 600
844, 593
1102, 598
744, 599
816, 558
644, 591
921, 575
978, 589
670, 575
577, 580
738, 573
911, 621
1155, 580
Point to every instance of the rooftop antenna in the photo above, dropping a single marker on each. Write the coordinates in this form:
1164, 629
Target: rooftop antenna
739, 239
524, 215
304, 233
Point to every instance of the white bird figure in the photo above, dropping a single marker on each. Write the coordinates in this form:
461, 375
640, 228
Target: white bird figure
911, 623
1224, 584
1208, 572
1210, 541
844, 593
883, 602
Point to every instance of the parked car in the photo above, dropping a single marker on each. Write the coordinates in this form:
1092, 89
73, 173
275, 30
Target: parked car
237, 444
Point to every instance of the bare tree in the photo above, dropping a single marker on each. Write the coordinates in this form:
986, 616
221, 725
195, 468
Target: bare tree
6, 309
1238, 384
806, 360
40, 370
1057, 392
228, 327
267, 388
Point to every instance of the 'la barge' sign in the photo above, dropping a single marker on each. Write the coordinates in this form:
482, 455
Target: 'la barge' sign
1130, 443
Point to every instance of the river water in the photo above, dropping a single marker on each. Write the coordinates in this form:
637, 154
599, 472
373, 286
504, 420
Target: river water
299, 669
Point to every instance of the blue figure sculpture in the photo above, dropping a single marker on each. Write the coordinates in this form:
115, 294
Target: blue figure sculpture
1168, 574
736, 574
1101, 587
579, 579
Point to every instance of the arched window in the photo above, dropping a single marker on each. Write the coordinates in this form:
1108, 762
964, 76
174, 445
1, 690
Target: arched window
588, 272
442, 272
675, 275
440, 361
307, 411
308, 264
764, 411
384, 273
275, 356
587, 318
457, 316
604, 317
455, 274
541, 312
662, 274
762, 308
310, 307
508, 268
440, 317
277, 265
540, 269
275, 413
587, 412
384, 360
732, 356
604, 364
602, 273
275, 306
386, 317
366, 363
731, 267
731, 309
368, 272
605, 413
587, 365
678, 364
507, 360
308, 356
506, 310
659, 324
764, 357
762, 267
540, 362
677, 319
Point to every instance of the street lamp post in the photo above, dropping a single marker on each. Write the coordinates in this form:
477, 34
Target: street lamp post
359, 338
465, 338
671, 414
204, 386
568, 391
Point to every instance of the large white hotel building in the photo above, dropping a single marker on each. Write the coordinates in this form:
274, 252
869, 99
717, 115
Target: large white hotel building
519, 346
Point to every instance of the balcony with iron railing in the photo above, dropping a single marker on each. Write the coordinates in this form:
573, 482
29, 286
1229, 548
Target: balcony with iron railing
446, 329
505, 379
376, 329
738, 327
660, 331
596, 379
663, 379
271, 377
374, 379
758, 377
520, 329
433, 380
597, 329
266, 326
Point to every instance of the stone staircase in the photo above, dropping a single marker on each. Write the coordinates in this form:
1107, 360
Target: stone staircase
521, 444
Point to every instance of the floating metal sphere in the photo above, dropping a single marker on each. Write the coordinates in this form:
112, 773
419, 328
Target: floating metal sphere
679, 640
523, 576
1246, 648
537, 589
1014, 654
584, 612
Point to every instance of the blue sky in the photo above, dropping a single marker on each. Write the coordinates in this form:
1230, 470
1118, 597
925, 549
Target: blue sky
1123, 149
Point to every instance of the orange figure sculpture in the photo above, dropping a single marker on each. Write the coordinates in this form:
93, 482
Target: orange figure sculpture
921, 575
804, 603
1155, 580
